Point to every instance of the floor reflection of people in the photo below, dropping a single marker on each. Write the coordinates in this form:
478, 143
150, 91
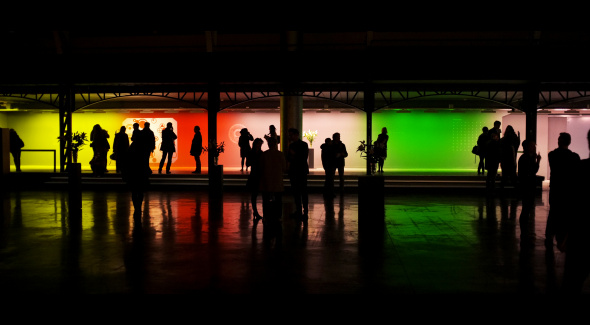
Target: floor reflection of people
528, 166
297, 156
253, 182
272, 168
135, 173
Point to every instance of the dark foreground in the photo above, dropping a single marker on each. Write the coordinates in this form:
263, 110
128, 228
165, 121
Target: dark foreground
187, 242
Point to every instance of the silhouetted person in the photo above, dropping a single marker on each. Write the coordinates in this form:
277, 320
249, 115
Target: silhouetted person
496, 128
380, 149
341, 153
329, 165
167, 147
244, 144
577, 243
253, 182
134, 172
15, 146
482, 141
135, 134
272, 132
528, 166
120, 147
149, 141
492, 161
100, 146
297, 156
272, 168
197, 148
562, 163
509, 145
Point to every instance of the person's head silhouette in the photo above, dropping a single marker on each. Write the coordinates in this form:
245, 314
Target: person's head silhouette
336, 137
257, 144
564, 140
293, 134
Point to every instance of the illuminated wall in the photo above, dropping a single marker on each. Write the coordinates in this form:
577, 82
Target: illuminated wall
40, 131
442, 141
351, 126
418, 141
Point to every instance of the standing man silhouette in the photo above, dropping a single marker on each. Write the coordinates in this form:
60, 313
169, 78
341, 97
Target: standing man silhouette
150, 144
341, 153
492, 161
16, 144
120, 147
482, 140
562, 165
167, 147
197, 149
298, 170
577, 245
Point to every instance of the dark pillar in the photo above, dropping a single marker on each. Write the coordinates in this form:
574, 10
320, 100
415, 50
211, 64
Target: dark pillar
369, 105
66, 108
4, 152
215, 173
530, 104
5, 205
291, 117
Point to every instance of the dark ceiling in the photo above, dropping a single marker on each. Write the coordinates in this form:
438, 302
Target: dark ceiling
408, 60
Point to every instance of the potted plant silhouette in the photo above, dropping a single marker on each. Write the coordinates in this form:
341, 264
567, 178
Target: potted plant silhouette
368, 153
310, 136
78, 140
216, 151
215, 171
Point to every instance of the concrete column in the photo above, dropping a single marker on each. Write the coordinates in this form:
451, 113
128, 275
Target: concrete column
215, 174
530, 104
291, 117
4, 151
369, 106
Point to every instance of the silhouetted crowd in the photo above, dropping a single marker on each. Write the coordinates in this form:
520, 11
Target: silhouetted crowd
568, 220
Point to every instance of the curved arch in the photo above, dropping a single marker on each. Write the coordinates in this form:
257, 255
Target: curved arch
546, 99
233, 103
508, 102
88, 100
51, 100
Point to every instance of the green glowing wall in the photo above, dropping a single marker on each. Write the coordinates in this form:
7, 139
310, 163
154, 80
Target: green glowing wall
420, 141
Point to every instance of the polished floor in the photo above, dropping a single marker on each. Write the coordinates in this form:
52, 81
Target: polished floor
188, 242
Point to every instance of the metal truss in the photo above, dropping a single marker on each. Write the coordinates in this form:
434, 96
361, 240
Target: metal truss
509, 98
555, 98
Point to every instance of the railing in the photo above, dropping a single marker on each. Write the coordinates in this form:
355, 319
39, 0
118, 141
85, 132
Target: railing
50, 150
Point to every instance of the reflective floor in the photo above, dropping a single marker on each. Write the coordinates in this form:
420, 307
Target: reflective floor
187, 242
